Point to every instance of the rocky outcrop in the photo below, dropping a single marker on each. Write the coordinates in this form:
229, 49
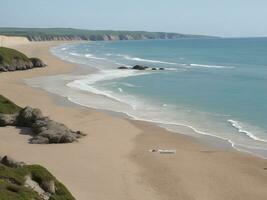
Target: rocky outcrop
45, 130
18, 64
12, 60
123, 67
141, 67
32, 184
37, 62
49, 186
21, 181
8, 119
7, 161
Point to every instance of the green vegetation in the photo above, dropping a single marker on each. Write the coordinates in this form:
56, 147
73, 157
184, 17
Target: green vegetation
12, 183
7, 106
69, 33
7, 55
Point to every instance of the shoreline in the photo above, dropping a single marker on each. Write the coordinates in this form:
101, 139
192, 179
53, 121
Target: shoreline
130, 169
185, 129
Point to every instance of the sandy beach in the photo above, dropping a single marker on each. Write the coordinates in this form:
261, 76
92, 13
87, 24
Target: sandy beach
113, 161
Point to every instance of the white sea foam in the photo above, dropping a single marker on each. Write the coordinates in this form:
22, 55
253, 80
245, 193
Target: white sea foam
87, 83
120, 64
145, 60
94, 57
239, 127
171, 69
91, 56
129, 85
211, 66
120, 90
75, 54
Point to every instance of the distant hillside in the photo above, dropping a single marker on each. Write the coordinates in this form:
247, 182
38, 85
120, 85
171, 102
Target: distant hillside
48, 34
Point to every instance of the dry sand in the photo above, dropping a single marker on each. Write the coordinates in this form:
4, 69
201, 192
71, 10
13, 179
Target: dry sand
113, 161
12, 41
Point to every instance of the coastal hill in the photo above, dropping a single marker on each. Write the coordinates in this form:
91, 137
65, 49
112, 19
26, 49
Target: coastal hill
19, 181
12, 60
55, 34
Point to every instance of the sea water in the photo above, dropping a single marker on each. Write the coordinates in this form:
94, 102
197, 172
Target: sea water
215, 87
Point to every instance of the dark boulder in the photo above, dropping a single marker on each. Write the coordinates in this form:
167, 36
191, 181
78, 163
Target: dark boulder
139, 67
28, 116
154, 68
8, 119
48, 186
37, 62
123, 67
45, 130
9, 162
39, 140
161, 68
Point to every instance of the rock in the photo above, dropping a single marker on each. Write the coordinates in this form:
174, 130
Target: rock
37, 62
123, 67
57, 136
154, 68
49, 186
16, 64
28, 116
40, 125
30, 183
54, 132
8, 120
9, 162
45, 130
39, 140
161, 68
80, 134
140, 67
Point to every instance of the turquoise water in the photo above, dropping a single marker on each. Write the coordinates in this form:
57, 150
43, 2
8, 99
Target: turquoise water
211, 86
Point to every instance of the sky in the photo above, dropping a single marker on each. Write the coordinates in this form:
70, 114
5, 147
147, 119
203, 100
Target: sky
228, 18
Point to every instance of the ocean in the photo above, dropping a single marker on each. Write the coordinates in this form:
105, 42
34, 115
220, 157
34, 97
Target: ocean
214, 87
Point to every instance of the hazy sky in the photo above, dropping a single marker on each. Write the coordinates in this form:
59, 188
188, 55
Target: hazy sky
212, 17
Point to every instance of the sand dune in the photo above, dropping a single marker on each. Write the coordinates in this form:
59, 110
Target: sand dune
8, 41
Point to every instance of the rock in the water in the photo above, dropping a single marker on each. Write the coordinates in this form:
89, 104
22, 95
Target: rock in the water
7, 161
140, 67
161, 68
8, 120
123, 67
154, 68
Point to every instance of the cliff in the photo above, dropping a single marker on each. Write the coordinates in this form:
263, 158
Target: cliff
54, 34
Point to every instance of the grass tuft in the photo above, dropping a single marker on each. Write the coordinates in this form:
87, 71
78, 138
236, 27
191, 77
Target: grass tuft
7, 106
